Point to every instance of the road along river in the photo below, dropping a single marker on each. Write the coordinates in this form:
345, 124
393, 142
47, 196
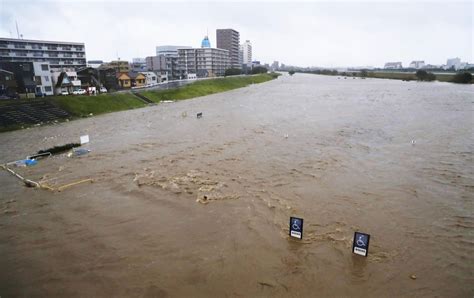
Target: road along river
181, 206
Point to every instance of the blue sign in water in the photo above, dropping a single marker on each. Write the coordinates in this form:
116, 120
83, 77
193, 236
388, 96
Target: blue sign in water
361, 244
296, 227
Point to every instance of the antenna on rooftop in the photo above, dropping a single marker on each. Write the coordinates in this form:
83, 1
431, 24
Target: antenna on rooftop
17, 31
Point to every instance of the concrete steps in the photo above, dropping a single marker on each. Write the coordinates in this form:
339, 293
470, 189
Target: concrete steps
30, 112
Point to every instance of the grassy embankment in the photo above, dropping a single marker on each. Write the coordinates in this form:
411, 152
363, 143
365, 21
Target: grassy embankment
84, 106
206, 87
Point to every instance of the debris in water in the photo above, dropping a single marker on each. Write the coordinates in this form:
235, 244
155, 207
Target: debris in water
31, 162
266, 284
60, 149
184, 114
413, 276
203, 200
199, 115
41, 155
80, 151
286, 136
413, 142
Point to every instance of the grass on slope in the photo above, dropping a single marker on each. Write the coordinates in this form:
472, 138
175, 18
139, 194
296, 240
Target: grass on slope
206, 87
80, 106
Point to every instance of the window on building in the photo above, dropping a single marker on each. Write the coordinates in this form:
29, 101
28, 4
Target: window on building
47, 89
46, 79
44, 67
38, 80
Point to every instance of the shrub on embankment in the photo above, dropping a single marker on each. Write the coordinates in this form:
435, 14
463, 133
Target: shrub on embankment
206, 87
423, 75
463, 78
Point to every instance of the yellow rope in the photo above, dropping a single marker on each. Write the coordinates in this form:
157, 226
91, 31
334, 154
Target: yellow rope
61, 188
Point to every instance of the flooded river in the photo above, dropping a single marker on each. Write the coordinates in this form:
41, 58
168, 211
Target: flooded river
181, 206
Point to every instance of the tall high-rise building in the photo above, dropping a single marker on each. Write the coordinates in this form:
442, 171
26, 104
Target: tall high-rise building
229, 39
59, 54
247, 53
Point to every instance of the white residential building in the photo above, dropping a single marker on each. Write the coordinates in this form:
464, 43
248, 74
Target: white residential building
247, 53
44, 83
453, 62
59, 54
65, 81
417, 64
393, 65
151, 78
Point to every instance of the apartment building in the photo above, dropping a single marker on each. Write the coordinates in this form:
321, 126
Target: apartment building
58, 54
229, 39
204, 62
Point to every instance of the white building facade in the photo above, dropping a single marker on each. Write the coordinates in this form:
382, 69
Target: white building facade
151, 78
43, 80
417, 64
247, 53
59, 54
453, 62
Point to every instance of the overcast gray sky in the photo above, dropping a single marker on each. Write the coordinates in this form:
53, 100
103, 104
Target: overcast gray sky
298, 33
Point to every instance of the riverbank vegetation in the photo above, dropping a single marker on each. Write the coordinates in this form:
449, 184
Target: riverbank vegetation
206, 87
82, 106
461, 77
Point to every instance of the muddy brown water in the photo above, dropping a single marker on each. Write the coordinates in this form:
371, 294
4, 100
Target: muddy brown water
187, 207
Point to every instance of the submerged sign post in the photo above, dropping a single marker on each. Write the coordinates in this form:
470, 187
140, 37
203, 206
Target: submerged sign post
296, 227
84, 139
361, 244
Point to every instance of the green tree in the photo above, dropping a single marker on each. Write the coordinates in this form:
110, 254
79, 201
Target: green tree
232, 72
291, 72
423, 75
259, 69
463, 78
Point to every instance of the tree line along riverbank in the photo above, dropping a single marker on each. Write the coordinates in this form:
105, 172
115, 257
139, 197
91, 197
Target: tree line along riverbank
85, 106
404, 76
